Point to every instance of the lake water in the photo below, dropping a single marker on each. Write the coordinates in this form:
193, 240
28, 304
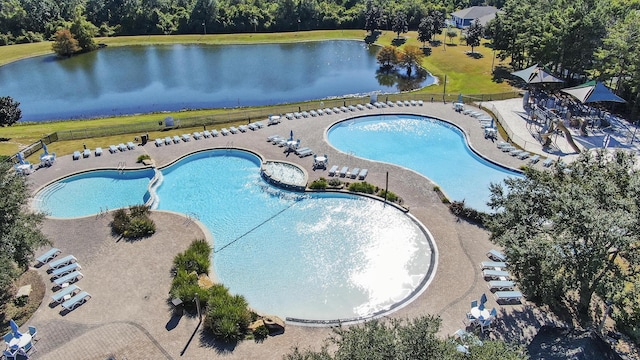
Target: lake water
143, 79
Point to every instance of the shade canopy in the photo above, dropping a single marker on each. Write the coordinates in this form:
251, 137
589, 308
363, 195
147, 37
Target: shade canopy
593, 91
536, 75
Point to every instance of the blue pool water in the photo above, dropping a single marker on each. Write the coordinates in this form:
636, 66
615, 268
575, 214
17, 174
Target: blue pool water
433, 148
321, 256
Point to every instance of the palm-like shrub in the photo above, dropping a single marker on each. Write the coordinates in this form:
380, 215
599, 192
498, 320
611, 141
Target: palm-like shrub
228, 316
197, 258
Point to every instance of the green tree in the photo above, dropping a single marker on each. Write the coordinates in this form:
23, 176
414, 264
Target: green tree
372, 17
425, 30
451, 34
571, 233
400, 25
10, 112
474, 34
20, 231
84, 31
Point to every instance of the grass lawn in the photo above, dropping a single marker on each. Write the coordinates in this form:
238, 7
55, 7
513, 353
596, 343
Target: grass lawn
464, 74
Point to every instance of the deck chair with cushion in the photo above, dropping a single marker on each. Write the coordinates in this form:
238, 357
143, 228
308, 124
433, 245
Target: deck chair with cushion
113, 149
86, 153
67, 292
363, 174
492, 264
76, 155
131, 145
98, 151
501, 285
159, 142
62, 271
48, 256
76, 300
64, 261
332, 171
69, 278
495, 274
503, 297
496, 255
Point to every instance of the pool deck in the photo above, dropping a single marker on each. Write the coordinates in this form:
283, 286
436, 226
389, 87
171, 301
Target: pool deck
128, 316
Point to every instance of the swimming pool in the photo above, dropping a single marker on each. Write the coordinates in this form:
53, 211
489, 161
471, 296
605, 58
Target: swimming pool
323, 256
434, 148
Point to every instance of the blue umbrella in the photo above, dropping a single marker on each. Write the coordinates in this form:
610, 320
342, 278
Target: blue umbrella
14, 329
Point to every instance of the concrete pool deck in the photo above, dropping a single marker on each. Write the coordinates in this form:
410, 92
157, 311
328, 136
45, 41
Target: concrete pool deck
128, 316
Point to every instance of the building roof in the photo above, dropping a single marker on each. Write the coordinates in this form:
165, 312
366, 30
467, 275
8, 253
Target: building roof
475, 12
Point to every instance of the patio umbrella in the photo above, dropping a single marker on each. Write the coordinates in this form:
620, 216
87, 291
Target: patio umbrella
44, 148
536, 75
291, 135
20, 156
14, 329
593, 91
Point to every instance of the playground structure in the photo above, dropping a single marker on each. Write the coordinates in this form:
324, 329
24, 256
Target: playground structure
551, 124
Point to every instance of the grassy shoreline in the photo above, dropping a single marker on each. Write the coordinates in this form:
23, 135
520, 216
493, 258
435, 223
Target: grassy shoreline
463, 74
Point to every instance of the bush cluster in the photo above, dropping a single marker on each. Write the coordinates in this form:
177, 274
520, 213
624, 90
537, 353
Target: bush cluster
134, 223
363, 187
228, 316
459, 209
319, 184
143, 157
186, 267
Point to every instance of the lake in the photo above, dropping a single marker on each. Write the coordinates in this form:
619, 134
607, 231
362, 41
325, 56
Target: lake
144, 79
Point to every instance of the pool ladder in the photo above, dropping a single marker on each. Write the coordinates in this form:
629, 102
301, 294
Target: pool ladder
121, 166
190, 217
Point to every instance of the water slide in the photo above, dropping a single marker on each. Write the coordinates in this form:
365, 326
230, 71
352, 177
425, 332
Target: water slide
558, 124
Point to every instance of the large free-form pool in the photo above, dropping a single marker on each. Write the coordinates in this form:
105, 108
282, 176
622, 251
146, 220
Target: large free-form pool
321, 257
434, 148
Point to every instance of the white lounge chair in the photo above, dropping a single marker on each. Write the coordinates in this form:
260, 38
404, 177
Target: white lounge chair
320, 112
271, 137
214, 133
414, 103
360, 107
328, 111
495, 274
48, 256
501, 285
297, 115
496, 255
206, 134
369, 105
516, 152
363, 174
131, 145
259, 124
252, 127
289, 116
197, 135
158, 142
62, 271
86, 153
98, 151
492, 264
508, 296
186, 137
176, 139
69, 291
399, 103
305, 114
76, 155
354, 173
390, 103
547, 162
243, 128
122, 147
113, 149
534, 159
332, 171
343, 171
336, 110
69, 278
524, 155
62, 262
233, 130
313, 113
304, 153
167, 140
351, 108
224, 132
344, 108
420, 102
76, 300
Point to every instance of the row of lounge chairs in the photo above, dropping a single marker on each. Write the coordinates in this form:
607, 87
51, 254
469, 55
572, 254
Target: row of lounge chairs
119, 148
499, 280
64, 273
346, 173
351, 108
522, 154
206, 134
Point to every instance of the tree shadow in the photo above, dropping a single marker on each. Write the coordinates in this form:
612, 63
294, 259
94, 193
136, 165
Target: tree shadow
435, 43
372, 37
474, 54
451, 45
501, 73
398, 41
426, 50
221, 347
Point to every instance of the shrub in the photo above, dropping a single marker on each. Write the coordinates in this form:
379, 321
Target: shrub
335, 182
261, 332
139, 210
319, 184
228, 316
390, 196
185, 286
363, 187
133, 224
139, 227
120, 221
143, 157
197, 258
459, 209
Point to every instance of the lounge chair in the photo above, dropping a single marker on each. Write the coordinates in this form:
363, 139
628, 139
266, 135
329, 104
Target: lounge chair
167, 140
76, 300
62, 262
299, 150
277, 139
62, 271
76, 155
313, 113
496, 255
158, 142
351, 108
252, 127
214, 133
86, 153
289, 116
122, 147
297, 115
224, 132
176, 139
508, 148
524, 155
495, 274
243, 128
534, 159
332, 171
508, 296
48, 256
492, 264
516, 152
233, 130
113, 149
502, 144
343, 171
369, 105
259, 124
420, 102
69, 278
206, 134
414, 103
131, 145
354, 173
320, 112
501, 285
304, 153
363, 174
399, 103
98, 151
547, 162
270, 138
328, 111
186, 137
68, 291
390, 103
197, 135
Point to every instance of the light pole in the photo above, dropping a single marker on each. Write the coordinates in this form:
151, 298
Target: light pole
204, 28
298, 25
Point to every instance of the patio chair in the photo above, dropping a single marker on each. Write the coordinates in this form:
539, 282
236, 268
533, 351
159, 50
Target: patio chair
474, 303
483, 299
27, 348
7, 337
363, 174
494, 312
10, 355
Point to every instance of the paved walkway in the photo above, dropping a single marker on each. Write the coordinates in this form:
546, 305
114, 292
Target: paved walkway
128, 316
